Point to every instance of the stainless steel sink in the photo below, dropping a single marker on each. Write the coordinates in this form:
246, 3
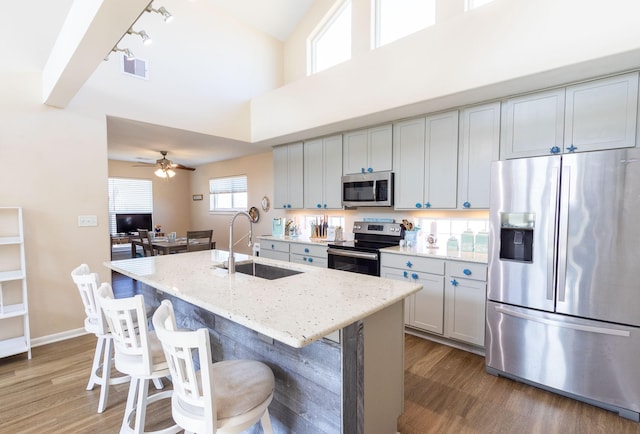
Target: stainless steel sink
264, 271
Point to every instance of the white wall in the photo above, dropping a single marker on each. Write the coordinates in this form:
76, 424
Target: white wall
506, 47
54, 165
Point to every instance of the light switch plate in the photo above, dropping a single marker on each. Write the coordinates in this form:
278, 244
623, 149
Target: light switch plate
87, 220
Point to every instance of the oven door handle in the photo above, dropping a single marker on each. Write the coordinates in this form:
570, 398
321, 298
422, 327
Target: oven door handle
352, 254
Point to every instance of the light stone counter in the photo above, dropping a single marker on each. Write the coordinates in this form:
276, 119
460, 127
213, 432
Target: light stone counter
440, 253
294, 310
300, 240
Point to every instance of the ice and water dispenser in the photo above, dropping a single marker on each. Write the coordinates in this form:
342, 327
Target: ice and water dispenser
516, 236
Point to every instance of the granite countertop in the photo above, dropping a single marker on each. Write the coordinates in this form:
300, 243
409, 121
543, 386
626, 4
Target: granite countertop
295, 310
440, 253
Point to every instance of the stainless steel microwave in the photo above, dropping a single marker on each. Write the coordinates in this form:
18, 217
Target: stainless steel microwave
367, 189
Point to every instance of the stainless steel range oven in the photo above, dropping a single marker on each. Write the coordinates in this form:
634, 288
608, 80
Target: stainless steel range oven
362, 255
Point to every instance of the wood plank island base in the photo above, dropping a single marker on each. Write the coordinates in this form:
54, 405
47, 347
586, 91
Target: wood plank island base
354, 385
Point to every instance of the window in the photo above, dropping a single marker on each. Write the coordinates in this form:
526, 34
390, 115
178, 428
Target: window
472, 4
129, 196
228, 194
396, 19
331, 43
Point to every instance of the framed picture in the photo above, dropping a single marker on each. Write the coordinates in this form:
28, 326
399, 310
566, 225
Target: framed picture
197, 197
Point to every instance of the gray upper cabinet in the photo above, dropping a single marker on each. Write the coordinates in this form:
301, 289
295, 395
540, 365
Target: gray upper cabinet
532, 125
602, 114
288, 176
368, 150
479, 146
595, 115
425, 162
322, 173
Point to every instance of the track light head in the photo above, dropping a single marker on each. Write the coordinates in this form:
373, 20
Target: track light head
127, 53
146, 39
162, 11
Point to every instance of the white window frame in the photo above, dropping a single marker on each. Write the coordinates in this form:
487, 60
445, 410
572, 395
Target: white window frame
324, 25
377, 25
234, 185
140, 202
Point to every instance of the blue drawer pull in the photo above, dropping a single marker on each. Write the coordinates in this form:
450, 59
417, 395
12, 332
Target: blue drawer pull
310, 259
406, 274
467, 272
306, 250
414, 276
466, 205
555, 150
427, 205
571, 148
409, 264
418, 205
454, 282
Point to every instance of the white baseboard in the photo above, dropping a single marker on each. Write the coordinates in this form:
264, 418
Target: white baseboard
50, 339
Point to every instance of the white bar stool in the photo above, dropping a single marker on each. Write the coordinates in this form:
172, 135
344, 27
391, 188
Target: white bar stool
138, 354
94, 322
223, 397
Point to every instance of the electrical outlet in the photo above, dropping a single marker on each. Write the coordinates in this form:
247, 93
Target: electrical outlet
87, 220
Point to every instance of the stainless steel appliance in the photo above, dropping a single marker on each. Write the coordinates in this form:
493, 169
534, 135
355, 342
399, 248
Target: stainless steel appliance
368, 189
362, 255
563, 309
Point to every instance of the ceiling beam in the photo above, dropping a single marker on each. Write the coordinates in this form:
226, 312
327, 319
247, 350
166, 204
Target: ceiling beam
92, 28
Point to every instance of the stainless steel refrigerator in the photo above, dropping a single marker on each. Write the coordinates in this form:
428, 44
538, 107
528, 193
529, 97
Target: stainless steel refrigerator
563, 309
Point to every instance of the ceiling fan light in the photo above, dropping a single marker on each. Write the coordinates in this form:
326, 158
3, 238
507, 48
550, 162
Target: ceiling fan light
171, 173
161, 173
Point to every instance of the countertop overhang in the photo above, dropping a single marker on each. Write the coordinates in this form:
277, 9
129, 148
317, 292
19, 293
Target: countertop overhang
295, 310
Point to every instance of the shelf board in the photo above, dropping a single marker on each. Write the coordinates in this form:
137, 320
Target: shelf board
10, 240
6, 276
12, 310
9, 347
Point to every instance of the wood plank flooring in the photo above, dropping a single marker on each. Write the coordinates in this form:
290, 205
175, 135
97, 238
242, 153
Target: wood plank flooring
446, 391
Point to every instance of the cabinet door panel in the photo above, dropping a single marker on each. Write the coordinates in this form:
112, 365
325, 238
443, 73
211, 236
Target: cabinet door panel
296, 177
409, 163
355, 152
380, 148
441, 177
428, 311
333, 172
532, 124
465, 307
313, 174
602, 114
479, 146
280, 177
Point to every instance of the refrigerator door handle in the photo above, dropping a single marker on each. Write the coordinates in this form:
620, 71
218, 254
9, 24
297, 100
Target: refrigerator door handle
551, 256
565, 183
581, 327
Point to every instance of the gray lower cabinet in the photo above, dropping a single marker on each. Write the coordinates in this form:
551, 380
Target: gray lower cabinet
274, 249
452, 301
465, 301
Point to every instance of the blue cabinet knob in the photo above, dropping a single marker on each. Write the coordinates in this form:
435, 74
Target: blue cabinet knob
571, 148
414, 276
405, 274
362, 170
409, 264
310, 260
325, 205
318, 206
454, 282
418, 205
370, 169
306, 250
304, 258
466, 272
427, 205
272, 247
466, 205
555, 150
288, 205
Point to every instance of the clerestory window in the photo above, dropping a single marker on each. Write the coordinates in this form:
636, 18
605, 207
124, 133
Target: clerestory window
330, 44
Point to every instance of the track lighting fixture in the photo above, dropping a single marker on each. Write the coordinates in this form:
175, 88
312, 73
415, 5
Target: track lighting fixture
162, 11
146, 39
128, 53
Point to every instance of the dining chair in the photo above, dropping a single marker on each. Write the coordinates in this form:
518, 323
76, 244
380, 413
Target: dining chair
138, 353
146, 240
222, 397
87, 283
199, 240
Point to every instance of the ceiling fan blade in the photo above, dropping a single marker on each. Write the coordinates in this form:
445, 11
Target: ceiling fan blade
180, 166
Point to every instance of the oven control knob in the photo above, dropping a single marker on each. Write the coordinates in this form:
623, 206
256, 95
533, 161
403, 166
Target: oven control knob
357, 227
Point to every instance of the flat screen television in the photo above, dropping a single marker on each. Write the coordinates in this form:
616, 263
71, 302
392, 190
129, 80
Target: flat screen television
127, 223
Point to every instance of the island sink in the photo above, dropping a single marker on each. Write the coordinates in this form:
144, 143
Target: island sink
264, 271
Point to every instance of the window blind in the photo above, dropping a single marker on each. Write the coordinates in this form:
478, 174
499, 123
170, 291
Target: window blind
233, 184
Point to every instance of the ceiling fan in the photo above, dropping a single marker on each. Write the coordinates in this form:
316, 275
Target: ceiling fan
165, 167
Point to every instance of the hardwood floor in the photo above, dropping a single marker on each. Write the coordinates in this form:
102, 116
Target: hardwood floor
446, 391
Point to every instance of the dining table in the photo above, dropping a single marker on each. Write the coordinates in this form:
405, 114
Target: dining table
163, 246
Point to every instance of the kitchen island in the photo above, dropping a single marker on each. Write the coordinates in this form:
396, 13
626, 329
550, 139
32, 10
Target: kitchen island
351, 386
